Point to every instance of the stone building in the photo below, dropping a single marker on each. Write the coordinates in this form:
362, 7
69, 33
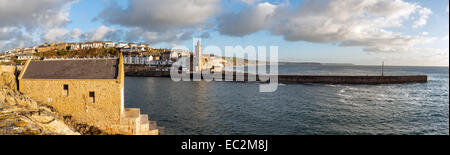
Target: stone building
89, 90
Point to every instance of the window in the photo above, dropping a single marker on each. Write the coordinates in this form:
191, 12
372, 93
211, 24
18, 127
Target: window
66, 90
92, 96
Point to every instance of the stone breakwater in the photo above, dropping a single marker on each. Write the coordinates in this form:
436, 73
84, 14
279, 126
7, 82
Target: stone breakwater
143, 71
353, 79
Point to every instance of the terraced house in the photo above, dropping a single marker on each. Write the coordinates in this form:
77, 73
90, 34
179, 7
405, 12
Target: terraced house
89, 90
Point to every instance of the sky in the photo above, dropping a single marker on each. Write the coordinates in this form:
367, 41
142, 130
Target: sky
363, 32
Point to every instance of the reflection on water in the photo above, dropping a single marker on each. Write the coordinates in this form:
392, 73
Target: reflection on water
239, 108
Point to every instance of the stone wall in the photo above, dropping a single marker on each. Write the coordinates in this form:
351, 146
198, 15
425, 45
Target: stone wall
105, 113
353, 79
8, 76
144, 71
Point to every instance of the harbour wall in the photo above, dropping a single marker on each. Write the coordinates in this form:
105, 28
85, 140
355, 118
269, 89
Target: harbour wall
142, 71
329, 79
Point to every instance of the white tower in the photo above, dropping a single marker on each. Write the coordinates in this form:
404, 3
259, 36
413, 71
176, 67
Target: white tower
198, 57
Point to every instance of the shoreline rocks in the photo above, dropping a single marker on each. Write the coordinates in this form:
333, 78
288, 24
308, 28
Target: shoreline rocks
20, 115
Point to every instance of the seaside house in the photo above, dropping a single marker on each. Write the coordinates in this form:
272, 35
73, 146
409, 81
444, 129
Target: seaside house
26, 57
29, 51
132, 45
91, 91
97, 44
86, 46
109, 44
75, 46
122, 45
142, 46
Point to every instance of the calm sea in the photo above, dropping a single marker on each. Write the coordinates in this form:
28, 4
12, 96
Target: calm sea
236, 108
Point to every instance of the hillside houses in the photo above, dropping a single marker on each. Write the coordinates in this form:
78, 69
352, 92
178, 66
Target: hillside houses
26, 57
109, 44
122, 45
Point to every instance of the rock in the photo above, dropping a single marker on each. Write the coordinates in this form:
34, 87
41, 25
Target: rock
8, 79
20, 115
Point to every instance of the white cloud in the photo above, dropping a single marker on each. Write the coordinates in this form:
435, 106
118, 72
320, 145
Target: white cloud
34, 14
161, 21
55, 35
24, 20
364, 24
423, 19
250, 1
445, 38
405, 56
248, 20
76, 33
102, 33
18, 40
157, 15
174, 37
9, 32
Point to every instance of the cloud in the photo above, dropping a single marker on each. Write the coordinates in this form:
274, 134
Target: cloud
250, 1
18, 40
76, 33
174, 37
157, 15
161, 21
33, 14
445, 38
9, 32
364, 24
102, 33
55, 35
424, 15
24, 20
248, 20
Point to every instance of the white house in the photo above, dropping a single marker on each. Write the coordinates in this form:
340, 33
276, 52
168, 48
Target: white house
132, 45
75, 46
97, 44
26, 57
122, 45
109, 44
87, 46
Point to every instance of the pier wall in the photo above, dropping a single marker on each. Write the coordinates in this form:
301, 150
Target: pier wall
353, 79
143, 71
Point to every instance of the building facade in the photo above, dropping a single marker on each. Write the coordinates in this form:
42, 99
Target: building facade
91, 91
198, 58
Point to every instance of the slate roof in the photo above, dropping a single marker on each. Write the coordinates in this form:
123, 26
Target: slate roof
72, 69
